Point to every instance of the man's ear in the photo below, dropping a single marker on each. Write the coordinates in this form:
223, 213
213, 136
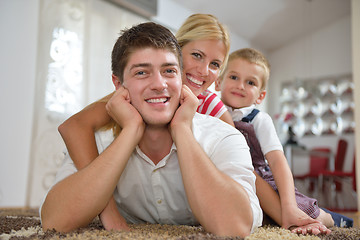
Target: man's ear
116, 81
217, 85
261, 97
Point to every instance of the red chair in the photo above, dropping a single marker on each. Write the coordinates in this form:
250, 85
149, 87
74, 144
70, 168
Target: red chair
339, 162
319, 161
337, 177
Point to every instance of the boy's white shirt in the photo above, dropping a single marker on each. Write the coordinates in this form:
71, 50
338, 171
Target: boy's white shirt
262, 124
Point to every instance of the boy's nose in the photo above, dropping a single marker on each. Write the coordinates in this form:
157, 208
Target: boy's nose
241, 85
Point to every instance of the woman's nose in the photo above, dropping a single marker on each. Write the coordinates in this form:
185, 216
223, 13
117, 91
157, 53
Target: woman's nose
203, 69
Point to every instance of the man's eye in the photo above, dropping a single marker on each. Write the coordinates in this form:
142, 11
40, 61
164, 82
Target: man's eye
140, 73
170, 71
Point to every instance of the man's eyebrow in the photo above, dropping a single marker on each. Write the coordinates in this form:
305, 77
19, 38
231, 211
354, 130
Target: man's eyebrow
167, 64
140, 65
170, 64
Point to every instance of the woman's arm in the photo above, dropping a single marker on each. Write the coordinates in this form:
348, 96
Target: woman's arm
226, 117
269, 199
78, 133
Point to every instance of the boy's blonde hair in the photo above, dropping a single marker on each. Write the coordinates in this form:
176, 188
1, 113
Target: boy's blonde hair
253, 56
203, 27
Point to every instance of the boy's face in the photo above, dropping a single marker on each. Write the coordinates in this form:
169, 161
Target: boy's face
202, 60
241, 85
153, 79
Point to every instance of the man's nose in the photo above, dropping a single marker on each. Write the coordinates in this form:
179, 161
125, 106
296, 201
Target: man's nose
159, 82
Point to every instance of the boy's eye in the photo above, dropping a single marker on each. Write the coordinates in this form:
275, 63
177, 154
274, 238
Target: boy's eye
252, 83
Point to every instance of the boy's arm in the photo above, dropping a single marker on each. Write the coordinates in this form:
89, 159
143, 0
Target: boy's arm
291, 215
220, 204
76, 200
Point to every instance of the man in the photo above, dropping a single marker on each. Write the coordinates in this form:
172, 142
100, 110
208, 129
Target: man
168, 165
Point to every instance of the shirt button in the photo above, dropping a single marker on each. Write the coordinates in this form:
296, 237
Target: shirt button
159, 201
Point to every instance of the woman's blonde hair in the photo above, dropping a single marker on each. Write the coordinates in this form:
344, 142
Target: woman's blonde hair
196, 27
203, 27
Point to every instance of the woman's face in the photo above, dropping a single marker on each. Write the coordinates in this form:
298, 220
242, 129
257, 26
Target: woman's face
202, 60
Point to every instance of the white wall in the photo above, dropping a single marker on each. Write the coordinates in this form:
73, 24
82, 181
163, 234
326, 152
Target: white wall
19, 23
18, 47
324, 53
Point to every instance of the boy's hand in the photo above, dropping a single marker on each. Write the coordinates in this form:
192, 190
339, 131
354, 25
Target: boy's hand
299, 222
186, 111
121, 110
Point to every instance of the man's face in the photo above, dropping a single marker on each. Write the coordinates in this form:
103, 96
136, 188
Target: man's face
153, 79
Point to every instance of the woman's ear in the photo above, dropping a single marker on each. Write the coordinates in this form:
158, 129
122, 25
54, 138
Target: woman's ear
217, 85
261, 97
116, 81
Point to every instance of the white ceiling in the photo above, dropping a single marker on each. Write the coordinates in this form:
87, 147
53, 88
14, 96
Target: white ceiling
269, 24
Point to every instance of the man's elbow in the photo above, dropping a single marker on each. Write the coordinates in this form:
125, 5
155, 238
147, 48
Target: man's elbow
235, 230
54, 222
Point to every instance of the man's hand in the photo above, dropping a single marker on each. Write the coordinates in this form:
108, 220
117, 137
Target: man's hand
185, 113
121, 110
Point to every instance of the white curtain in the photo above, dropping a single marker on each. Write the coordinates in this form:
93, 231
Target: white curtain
73, 69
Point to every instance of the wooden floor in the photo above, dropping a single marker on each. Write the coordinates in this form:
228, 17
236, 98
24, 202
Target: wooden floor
353, 215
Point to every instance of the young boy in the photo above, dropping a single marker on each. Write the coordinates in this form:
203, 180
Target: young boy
167, 165
242, 85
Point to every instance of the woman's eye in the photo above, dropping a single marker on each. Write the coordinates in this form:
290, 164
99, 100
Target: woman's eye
197, 55
215, 64
233, 77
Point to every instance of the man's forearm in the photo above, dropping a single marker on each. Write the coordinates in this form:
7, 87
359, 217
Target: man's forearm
76, 200
219, 203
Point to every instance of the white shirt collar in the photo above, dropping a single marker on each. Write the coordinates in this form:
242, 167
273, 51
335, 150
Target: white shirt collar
162, 161
239, 113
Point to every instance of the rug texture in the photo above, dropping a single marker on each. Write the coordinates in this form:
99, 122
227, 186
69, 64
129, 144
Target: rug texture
25, 224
